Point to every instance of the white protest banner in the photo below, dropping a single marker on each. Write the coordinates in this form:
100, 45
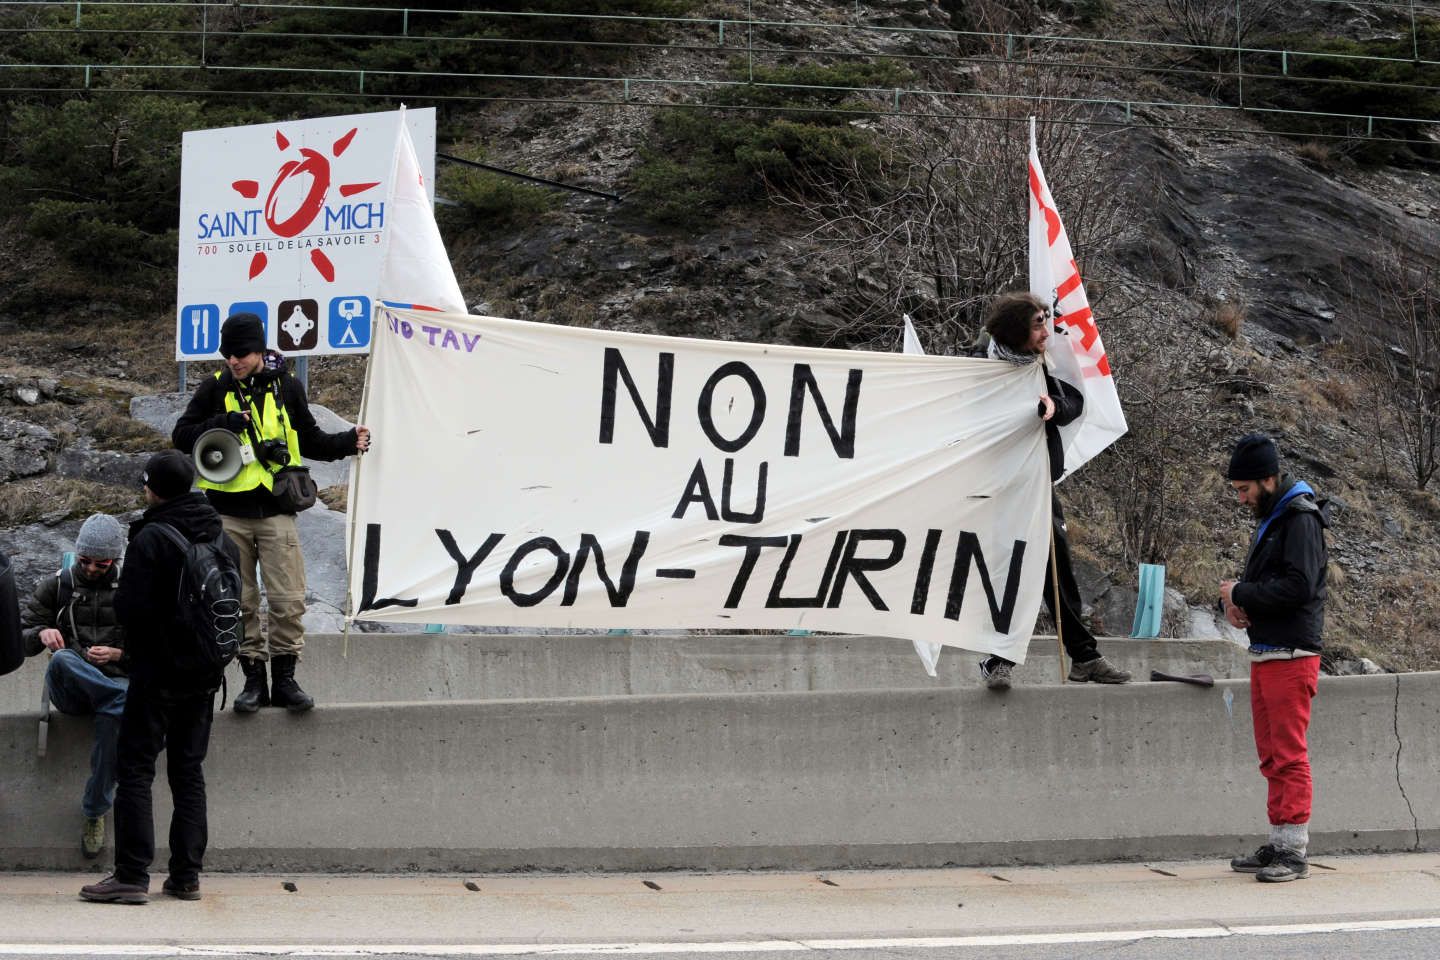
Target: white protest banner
929, 653
533, 475
910, 342
1078, 357
284, 220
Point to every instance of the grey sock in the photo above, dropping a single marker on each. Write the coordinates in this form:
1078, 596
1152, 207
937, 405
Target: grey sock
1294, 837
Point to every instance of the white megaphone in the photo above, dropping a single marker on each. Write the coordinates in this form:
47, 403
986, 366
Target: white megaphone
218, 455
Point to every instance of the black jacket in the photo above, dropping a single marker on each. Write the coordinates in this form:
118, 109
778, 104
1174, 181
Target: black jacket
145, 601
206, 411
1069, 404
83, 610
1283, 588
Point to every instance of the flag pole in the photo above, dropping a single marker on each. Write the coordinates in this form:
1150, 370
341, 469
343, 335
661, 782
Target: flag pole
1055, 585
353, 494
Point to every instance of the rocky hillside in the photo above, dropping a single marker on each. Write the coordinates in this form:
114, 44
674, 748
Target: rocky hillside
1243, 280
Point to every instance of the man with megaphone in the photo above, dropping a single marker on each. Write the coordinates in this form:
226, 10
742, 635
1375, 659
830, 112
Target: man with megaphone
248, 428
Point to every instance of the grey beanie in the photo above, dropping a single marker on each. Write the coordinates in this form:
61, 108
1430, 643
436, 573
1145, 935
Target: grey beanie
101, 538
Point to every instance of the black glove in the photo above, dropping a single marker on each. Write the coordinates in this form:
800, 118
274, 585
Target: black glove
235, 422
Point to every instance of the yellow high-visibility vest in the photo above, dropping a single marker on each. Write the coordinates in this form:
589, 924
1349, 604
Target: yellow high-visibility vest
271, 422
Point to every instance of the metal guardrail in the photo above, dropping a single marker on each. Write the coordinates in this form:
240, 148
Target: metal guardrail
630, 90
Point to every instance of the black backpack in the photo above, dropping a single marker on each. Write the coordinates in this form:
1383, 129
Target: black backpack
207, 604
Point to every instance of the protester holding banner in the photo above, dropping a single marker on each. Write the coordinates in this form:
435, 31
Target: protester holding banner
265, 406
1280, 601
1019, 328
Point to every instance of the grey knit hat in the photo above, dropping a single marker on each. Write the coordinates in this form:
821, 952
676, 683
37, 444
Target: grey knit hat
101, 538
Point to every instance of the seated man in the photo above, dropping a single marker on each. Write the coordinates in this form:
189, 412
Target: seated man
72, 614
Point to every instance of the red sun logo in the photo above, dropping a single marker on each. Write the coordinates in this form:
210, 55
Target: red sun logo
312, 164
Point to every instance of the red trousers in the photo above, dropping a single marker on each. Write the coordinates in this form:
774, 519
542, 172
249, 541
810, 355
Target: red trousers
1280, 694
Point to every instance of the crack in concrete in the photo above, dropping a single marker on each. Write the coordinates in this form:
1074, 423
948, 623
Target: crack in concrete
1399, 782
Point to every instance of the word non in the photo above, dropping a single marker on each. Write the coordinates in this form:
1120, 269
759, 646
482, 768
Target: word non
656, 416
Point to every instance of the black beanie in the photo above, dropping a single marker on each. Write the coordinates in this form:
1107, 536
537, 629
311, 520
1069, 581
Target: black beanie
1255, 458
241, 335
168, 474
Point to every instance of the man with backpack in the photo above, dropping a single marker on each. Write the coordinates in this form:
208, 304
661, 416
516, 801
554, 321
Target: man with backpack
178, 601
264, 405
72, 614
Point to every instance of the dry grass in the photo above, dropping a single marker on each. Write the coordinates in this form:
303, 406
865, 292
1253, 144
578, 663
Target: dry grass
336, 383
1341, 394
1228, 317
116, 431
1317, 154
1406, 623
566, 310
61, 498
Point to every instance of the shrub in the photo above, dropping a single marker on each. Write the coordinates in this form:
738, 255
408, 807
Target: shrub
485, 199
88, 236
772, 136
1396, 87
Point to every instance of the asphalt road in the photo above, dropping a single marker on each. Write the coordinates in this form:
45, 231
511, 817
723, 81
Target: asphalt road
1370, 908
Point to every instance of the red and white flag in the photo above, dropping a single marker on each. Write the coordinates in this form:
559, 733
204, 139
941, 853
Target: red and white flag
415, 270
1078, 356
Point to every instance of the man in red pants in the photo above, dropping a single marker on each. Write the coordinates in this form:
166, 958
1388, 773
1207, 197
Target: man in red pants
1280, 602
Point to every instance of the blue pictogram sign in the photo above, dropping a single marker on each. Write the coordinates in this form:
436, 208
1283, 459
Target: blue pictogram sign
199, 329
349, 326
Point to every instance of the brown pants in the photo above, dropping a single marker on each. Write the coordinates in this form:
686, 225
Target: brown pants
273, 545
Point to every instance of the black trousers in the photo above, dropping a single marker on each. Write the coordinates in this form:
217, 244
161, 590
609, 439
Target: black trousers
1079, 642
179, 724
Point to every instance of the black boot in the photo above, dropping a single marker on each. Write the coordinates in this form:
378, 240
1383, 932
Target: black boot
255, 695
285, 692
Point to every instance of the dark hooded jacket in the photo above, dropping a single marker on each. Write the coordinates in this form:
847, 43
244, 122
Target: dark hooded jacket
82, 609
146, 599
1283, 588
206, 411
1069, 404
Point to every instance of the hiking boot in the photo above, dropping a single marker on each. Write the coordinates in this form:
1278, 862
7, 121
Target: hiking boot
1286, 866
255, 695
284, 691
1255, 862
1098, 670
996, 673
93, 838
111, 890
180, 891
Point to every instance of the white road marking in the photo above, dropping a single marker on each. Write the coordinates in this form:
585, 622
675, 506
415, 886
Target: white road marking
727, 946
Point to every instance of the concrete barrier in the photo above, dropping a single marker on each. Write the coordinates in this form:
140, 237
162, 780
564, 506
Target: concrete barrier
389, 667
907, 777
